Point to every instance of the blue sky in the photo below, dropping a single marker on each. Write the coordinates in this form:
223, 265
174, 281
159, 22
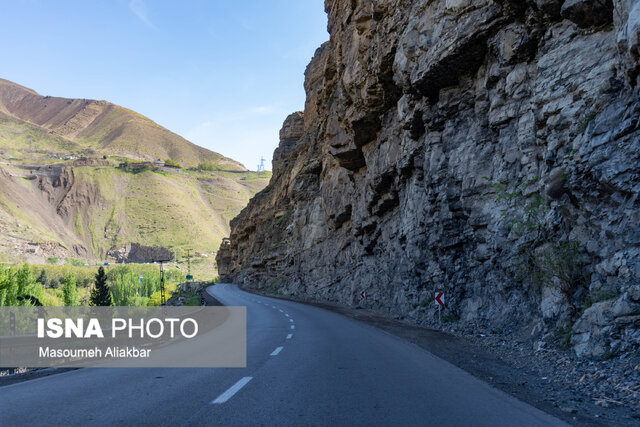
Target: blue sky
222, 73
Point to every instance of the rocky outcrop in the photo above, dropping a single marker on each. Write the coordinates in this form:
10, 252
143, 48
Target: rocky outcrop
486, 149
586, 13
137, 253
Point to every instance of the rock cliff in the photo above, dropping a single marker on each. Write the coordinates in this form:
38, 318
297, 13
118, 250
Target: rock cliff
486, 149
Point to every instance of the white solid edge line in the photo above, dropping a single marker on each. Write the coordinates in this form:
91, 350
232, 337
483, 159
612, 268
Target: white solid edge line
293, 326
276, 351
232, 390
289, 336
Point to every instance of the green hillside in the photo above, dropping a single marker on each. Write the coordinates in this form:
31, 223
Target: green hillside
23, 141
63, 194
161, 209
46, 125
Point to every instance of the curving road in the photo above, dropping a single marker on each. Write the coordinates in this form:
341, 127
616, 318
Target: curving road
305, 365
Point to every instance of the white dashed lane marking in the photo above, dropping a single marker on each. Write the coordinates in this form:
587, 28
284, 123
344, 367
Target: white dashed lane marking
289, 336
291, 320
276, 351
232, 390
293, 326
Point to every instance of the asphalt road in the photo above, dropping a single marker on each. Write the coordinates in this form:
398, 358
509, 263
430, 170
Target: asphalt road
305, 366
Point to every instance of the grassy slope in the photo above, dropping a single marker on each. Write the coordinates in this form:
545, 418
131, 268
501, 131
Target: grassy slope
120, 131
183, 211
17, 138
90, 127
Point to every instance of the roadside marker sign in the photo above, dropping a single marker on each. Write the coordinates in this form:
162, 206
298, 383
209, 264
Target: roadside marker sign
363, 294
439, 302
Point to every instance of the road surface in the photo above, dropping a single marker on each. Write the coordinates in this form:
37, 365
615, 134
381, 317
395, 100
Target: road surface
305, 366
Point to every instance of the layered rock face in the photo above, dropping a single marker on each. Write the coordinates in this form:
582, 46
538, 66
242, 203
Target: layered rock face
486, 149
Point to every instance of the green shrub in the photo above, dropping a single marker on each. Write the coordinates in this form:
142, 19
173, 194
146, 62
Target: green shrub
563, 337
542, 259
587, 119
208, 166
172, 163
451, 317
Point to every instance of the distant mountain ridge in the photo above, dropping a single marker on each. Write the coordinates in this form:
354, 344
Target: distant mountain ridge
85, 126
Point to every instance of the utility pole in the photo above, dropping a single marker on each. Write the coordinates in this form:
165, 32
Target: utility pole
188, 257
162, 297
261, 165
189, 276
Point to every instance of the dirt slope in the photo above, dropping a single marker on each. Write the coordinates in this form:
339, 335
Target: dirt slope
83, 211
101, 126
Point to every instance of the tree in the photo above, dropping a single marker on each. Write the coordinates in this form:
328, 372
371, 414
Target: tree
101, 295
8, 288
24, 280
70, 291
28, 292
54, 283
42, 278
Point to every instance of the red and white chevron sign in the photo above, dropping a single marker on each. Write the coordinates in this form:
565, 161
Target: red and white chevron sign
363, 294
440, 298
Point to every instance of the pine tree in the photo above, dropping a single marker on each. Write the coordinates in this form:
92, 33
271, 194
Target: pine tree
70, 291
42, 279
101, 295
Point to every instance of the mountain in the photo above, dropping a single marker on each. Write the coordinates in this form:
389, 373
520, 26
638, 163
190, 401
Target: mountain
488, 150
36, 126
63, 193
